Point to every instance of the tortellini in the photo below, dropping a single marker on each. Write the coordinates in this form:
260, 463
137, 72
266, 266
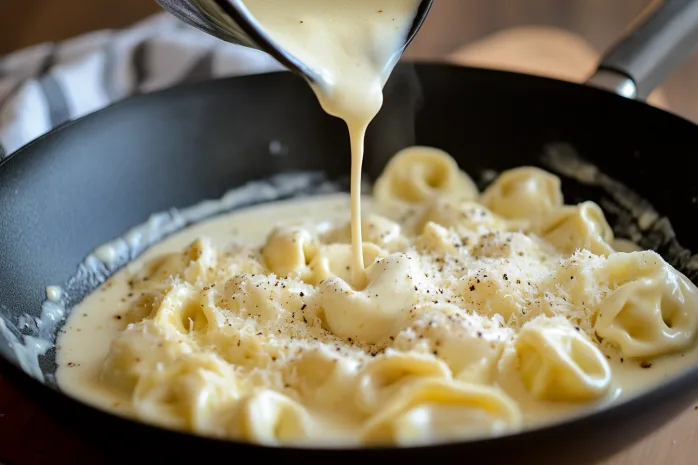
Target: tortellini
288, 251
526, 193
136, 352
186, 310
436, 409
652, 309
464, 215
506, 291
580, 227
293, 253
377, 311
326, 380
417, 174
625, 245
469, 344
559, 363
189, 389
335, 260
437, 239
472, 315
193, 265
270, 418
575, 289
375, 229
506, 245
263, 297
383, 377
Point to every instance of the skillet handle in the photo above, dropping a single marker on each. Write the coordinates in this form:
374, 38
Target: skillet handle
664, 34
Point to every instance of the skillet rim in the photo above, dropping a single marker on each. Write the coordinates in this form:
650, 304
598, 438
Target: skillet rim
661, 392
417, 64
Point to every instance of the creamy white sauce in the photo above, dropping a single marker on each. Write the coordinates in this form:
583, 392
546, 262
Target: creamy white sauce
354, 67
54, 293
27, 350
353, 45
30, 337
89, 332
97, 321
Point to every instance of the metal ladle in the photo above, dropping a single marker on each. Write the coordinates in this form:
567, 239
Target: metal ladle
231, 21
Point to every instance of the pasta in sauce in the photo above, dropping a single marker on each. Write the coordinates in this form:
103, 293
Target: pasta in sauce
482, 314
443, 313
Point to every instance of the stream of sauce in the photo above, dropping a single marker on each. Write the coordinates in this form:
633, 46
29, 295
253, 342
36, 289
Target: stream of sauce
353, 45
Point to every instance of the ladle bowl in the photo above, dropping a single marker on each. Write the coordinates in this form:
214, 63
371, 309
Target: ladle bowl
231, 21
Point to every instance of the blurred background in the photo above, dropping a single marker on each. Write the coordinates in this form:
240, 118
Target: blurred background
451, 25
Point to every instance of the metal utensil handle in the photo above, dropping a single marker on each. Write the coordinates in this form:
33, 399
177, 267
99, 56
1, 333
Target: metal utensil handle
188, 13
664, 34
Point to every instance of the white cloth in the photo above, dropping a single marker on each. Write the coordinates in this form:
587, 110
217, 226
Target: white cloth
47, 85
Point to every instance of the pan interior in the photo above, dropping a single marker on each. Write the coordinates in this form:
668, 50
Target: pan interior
93, 180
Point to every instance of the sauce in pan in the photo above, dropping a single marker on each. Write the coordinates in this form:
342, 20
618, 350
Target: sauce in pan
441, 313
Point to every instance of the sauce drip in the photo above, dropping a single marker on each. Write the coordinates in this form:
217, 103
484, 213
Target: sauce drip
353, 45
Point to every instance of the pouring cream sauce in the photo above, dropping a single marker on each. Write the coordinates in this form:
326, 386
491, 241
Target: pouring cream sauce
472, 319
353, 45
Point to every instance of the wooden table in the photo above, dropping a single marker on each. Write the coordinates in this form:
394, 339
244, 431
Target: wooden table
30, 437
672, 445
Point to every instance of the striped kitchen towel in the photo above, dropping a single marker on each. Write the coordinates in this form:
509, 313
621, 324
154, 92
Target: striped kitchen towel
50, 84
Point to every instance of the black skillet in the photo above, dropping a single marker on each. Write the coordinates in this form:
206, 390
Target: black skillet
91, 180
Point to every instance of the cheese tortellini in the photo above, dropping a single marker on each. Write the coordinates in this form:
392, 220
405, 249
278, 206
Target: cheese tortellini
526, 193
288, 251
560, 363
469, 344
473, 314
416, 174
382, 378
270, 418
372, 314
583, 226
187, 392
464, 216
375, 229
335, 261
651, 309
433, 410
